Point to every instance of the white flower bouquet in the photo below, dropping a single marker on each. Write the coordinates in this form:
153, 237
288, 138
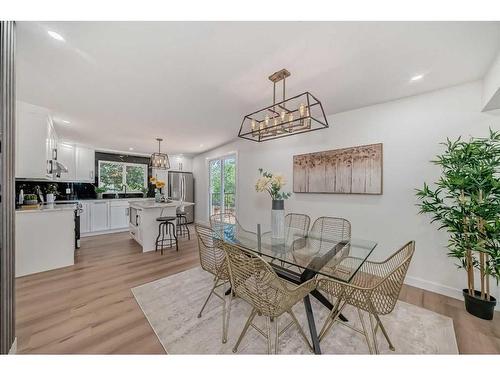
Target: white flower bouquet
272, 183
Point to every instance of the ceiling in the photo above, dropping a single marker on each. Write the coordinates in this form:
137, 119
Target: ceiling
122, 84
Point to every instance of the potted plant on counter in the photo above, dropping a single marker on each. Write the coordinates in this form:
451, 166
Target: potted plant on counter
51, 192
272, 183
30, 200
99, 190
466, 202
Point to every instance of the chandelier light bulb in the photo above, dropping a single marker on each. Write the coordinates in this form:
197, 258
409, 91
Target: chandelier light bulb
302, 109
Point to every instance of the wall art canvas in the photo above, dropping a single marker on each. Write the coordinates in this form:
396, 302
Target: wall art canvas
353, 170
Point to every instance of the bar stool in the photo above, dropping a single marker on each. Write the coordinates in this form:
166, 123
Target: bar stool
182, 227
165, 227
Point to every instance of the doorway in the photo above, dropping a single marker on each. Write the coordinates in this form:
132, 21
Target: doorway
222, 185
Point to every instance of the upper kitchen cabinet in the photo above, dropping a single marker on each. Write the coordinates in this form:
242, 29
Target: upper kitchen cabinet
66, 154
85, 164
35, 141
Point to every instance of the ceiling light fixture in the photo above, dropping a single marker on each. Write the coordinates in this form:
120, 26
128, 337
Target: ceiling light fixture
417, 77
299, 114
131, 149
159, 160
55, 35
66, 122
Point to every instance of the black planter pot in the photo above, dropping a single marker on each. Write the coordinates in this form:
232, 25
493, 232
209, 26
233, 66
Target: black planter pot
479, 307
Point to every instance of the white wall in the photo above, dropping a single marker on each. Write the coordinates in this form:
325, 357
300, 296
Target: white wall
410, 130
491, 86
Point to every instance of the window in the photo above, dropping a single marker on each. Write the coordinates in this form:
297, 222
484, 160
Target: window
115, 176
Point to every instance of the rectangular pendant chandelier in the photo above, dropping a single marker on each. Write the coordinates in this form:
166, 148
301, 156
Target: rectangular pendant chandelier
159, 160
296, 115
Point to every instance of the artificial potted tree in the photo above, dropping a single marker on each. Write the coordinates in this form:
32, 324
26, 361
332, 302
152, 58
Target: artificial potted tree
466, 203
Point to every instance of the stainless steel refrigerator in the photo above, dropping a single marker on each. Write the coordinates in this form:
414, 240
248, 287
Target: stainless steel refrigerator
181, 188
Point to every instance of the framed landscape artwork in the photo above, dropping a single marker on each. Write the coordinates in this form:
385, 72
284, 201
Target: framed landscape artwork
353, 170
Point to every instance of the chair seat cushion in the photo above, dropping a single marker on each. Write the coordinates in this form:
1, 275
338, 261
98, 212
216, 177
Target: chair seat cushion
165, 218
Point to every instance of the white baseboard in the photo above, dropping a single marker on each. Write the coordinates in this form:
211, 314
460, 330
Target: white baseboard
90, 234
437, 288
13, 348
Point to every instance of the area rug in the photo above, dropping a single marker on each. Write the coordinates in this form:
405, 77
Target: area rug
171, 306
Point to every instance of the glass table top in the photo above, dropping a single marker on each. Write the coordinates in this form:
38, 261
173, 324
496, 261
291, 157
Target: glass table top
299, 251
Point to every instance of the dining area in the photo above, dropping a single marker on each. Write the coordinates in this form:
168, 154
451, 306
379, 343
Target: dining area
319, 261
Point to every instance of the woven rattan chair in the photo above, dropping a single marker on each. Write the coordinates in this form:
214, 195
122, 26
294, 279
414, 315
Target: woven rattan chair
374, 288
227, 225
299, 223
213, 260
254, 280
326, 232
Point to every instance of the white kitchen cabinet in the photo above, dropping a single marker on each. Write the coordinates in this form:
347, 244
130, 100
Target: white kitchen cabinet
33, 141
85, 217
99, 219
85, 164
66, 154
118, 214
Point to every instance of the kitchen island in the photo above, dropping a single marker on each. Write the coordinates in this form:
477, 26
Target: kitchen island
45, 238
143, 226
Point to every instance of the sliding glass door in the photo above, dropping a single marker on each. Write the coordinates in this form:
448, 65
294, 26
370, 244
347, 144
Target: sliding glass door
222, 185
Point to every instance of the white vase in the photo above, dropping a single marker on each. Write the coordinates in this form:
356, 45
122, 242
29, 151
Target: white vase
278, 219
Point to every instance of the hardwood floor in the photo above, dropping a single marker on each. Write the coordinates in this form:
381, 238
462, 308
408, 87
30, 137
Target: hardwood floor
89, 308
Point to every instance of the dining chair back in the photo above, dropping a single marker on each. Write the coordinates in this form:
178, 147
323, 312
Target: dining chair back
213, 260
327, 231
212, 257
389, 275
299, 223
374, 288
254, 281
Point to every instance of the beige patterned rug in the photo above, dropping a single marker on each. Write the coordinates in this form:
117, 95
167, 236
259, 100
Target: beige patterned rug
171, 306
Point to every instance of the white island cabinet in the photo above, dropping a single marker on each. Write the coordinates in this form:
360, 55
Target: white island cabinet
143, 224
45, 239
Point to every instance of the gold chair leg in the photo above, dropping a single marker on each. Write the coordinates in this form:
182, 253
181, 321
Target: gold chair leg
225, 318
365, 332
268, 326
277, 338
384, 332
330, 316
374, 334
301, 331
330, 321
209, 295
245, 329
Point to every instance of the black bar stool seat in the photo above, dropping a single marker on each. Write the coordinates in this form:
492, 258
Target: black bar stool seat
165, 218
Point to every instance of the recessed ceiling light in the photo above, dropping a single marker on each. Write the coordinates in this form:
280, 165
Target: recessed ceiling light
417, 77
201, 145
66, 122
55, 35
131, 149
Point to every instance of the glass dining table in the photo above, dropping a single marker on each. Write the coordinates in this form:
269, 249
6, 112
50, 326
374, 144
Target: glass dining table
301, 256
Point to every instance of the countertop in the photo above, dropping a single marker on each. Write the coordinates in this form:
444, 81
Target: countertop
48, 207
153, 204
105, 199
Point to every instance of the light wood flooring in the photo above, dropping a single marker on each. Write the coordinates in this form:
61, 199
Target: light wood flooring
89, 308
